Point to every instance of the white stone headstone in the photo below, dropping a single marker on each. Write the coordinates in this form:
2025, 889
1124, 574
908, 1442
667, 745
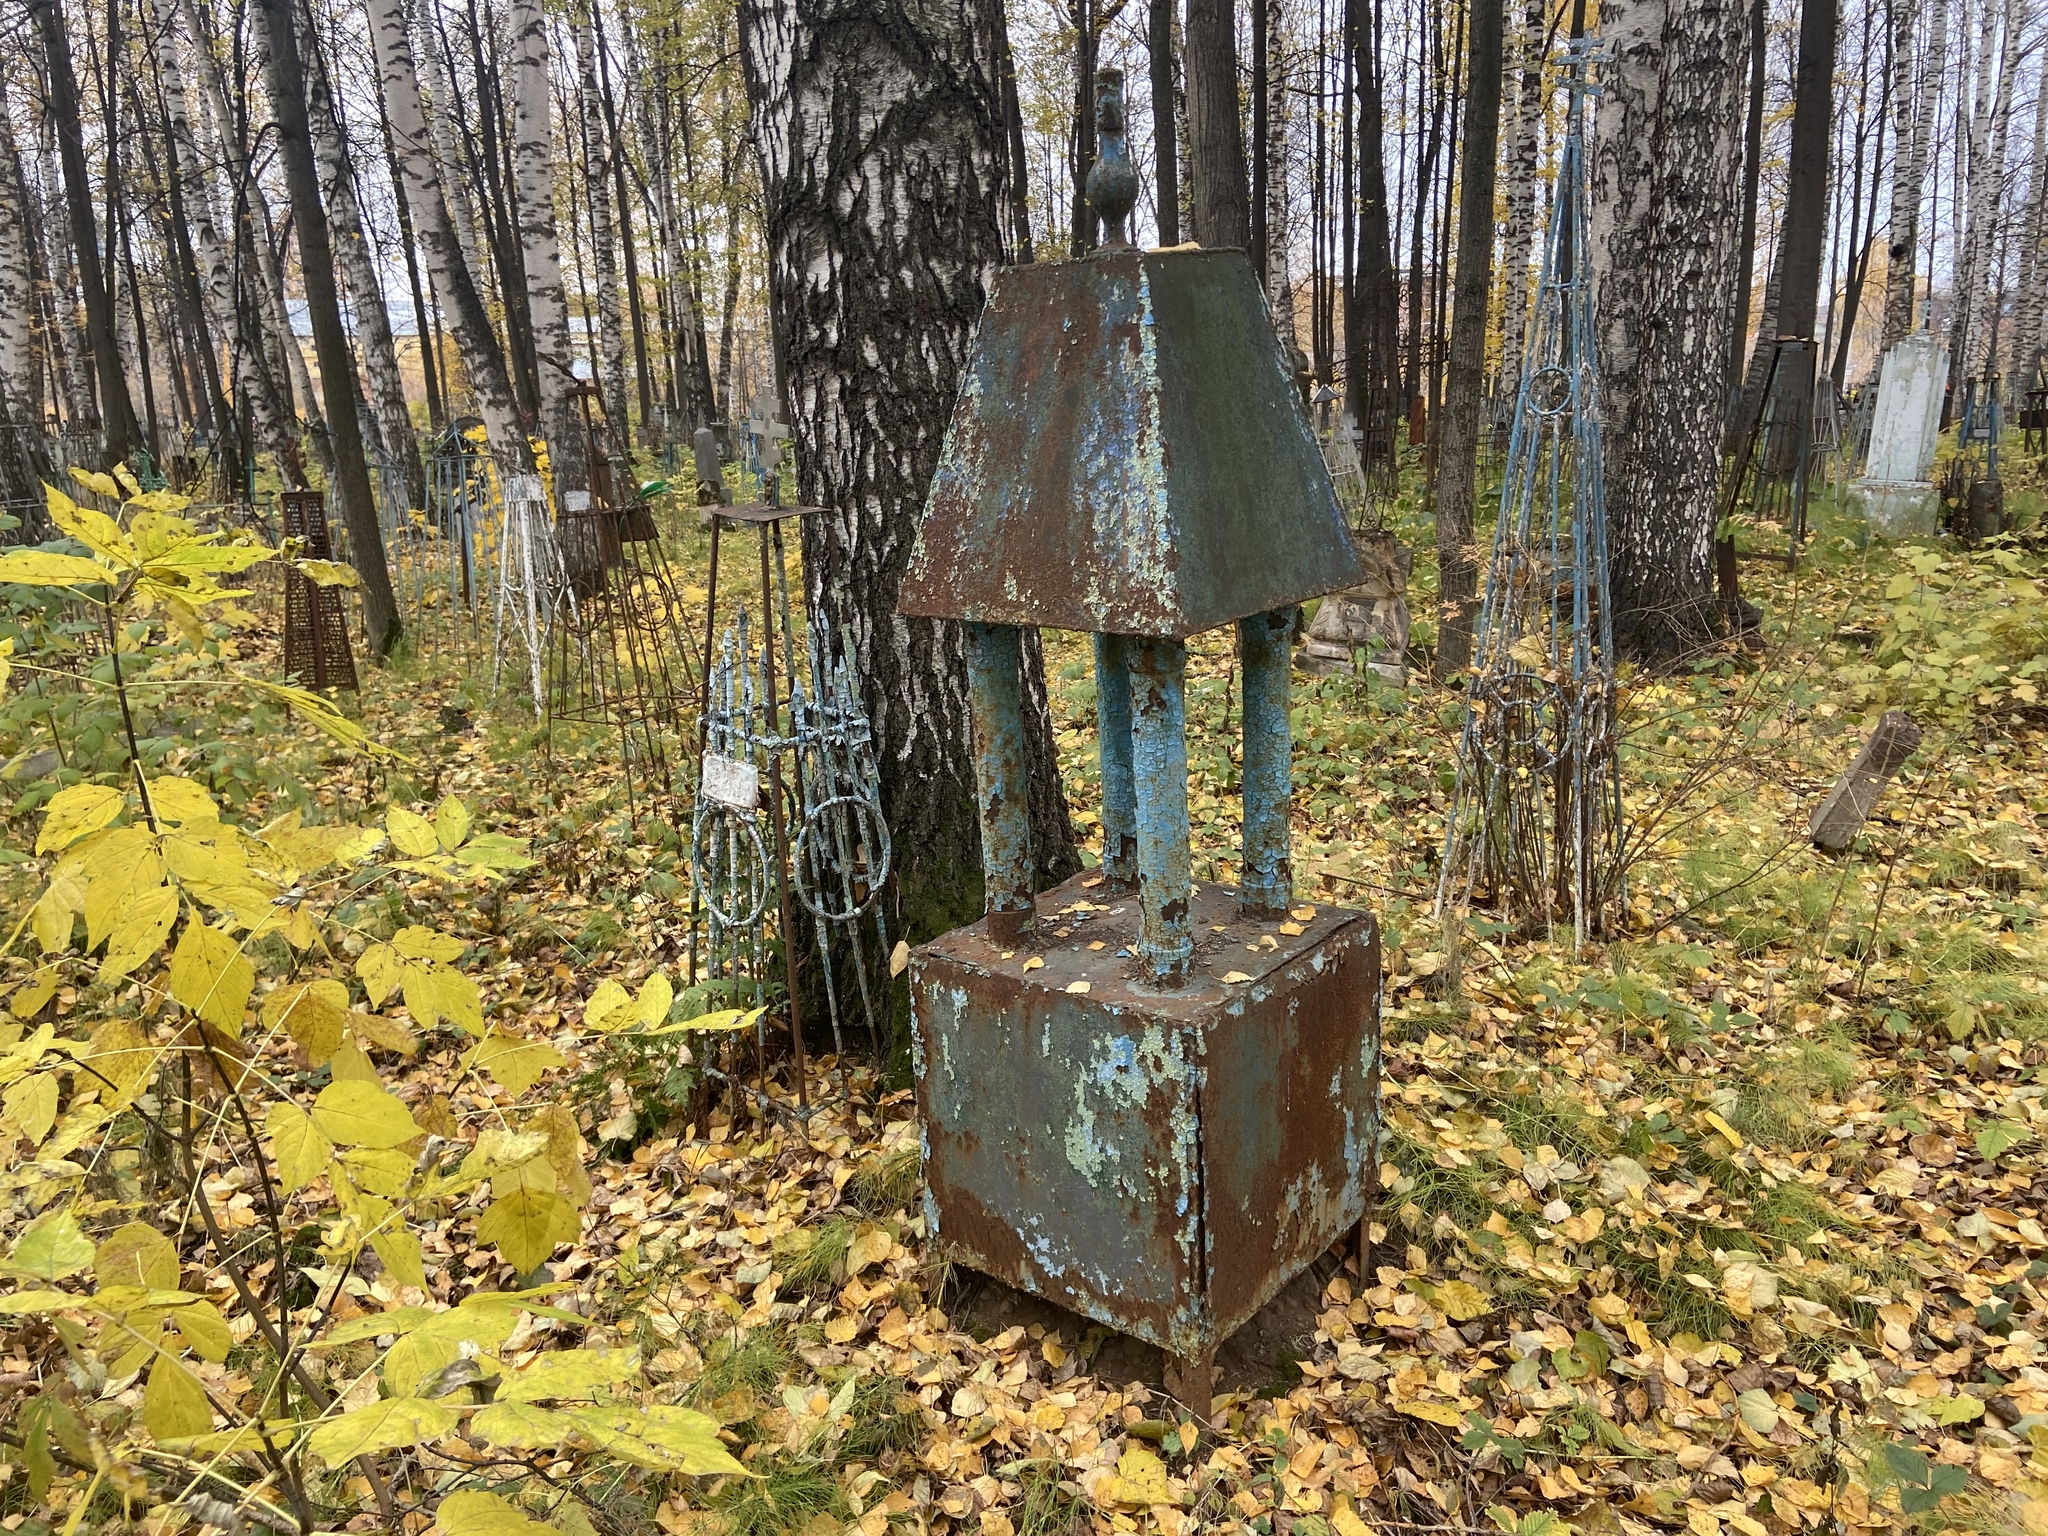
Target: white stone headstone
1895, 494
1907, 424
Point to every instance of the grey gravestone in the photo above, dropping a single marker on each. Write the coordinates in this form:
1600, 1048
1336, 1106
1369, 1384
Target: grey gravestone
1895, 494
1836, 820
710, 478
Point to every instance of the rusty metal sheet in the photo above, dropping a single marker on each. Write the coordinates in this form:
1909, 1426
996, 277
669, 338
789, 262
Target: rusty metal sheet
1127, 455
1162, 1161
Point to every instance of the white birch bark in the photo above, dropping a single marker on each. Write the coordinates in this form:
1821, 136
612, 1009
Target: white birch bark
541, 252
1971, 199
23, 462
452, 278
1913, 108
379, 351
1518, 193
1666, 164
1987, 206
255, 357
439, 109
79, 405
597, 165
2029, 290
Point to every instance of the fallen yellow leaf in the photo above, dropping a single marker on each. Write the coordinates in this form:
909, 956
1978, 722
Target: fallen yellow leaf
1236, 978
1077, 986
1036, 962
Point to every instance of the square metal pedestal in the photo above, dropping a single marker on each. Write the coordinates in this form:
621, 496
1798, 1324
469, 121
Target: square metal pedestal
1163, 1161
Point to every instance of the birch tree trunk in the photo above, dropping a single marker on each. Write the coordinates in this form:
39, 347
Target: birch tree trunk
2028, 286
350, 480
533, 158
1216, 164
1913, 132
1518, 174
253, 354
23, 463
68, 347
597, 164
1987, 202
439, 143
449, 274
1974, 198
880, 129
1664, 224
1279, 283
374, 340
121, 432
264, 321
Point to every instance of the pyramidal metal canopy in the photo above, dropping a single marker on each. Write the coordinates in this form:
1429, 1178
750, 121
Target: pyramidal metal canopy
1127, 456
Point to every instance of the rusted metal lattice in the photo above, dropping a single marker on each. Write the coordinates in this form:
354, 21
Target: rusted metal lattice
619, 654
316, 649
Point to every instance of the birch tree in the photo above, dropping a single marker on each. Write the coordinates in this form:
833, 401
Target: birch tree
449, 274
359, 275
350, 480
534, 198
880, 131
1914, 105
1664, 223
598, 171
1518, 192
23, 463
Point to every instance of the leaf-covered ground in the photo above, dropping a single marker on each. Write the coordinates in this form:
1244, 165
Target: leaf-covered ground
1733, 1223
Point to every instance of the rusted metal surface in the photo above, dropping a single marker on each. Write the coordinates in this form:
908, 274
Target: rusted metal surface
1127, 455
1159, 766
316, 647
1265, 640
1119, 789
995, 695
1162, 1161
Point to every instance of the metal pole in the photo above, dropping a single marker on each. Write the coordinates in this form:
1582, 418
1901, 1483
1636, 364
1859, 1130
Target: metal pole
796, 1029
1119, 790
1266, 887
1159, 761
994, 653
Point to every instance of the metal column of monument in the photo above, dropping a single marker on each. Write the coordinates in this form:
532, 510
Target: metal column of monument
1160, 1109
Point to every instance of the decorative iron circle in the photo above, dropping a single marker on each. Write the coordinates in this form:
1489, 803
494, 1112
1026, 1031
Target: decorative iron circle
749, 882
1518, 703
865, 829
1550, 390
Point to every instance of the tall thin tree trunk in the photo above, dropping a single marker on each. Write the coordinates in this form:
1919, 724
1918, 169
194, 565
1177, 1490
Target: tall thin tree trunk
597, 165
541, 253
1165, 131
1664, 174
121, 433
2030, 289
1216, 163
1518, 241
379, 348
904, 212
1913, 133
643, 375
437, 415
1745, 248
1458, 426
24, 465
1372, 315
323, 302
1974, 197
455, 289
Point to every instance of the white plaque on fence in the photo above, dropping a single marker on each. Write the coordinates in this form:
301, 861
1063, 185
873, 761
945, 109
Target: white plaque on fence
576, 501
731, 782
522, 487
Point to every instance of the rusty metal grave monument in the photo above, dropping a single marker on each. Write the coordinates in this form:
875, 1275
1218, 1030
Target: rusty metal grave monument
1161, 1113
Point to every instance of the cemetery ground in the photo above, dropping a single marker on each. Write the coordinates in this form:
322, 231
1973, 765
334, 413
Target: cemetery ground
1736, 1221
